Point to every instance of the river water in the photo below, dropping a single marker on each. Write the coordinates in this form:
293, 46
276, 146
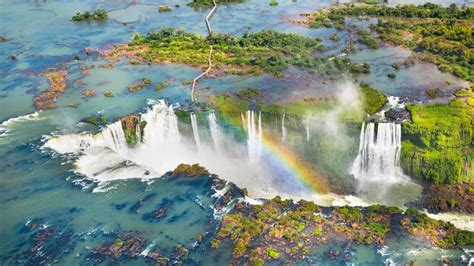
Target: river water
65, 193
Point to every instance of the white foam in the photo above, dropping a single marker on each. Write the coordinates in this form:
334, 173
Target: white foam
460, 220
7, 125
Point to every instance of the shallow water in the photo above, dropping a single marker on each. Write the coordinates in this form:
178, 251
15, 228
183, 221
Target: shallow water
42, 187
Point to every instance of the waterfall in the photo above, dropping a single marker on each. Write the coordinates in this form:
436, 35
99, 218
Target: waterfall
283, 129
214, 128
378, 159
114, 138
161, 125
307, 128
194, 125
254, 131
111, 137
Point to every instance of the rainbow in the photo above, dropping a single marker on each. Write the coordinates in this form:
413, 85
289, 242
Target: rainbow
289, 162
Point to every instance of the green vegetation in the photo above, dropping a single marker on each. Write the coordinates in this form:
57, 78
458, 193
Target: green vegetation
165, 8
273, 3
253, 53
248, 93
283, 229
161, 85
204, 3
427, 10
187, 170
130, 125
445, 43
433, 92
366, 38
441, 35
273, 254
96, 120
373, 100
334, 38
437, 145
143, 83
97, 15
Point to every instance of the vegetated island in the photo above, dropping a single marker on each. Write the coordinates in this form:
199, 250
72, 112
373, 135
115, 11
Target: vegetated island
96, 15
440, 35
252, 54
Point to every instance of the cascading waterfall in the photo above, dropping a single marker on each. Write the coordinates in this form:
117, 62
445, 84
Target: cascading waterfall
307, 128
194, 125
378, 159
214, 128
254, 131
283, 129
161, 125
111, 137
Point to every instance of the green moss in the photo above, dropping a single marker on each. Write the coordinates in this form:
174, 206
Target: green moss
273, 254
437, 144
317, 232
373, 100
228, 105
378, 228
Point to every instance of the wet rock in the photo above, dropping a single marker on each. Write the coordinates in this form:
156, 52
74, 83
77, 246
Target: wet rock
124, 246
3, 38
333, 254
397, 115
186, 170
120, 206
12, 57
136, 207
89, 93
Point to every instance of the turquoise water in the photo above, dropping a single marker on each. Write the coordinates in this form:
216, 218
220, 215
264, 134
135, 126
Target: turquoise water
39, 190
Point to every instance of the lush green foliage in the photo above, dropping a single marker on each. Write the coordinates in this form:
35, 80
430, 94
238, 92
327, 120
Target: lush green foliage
253, 53
446, 43
427, 10
366, 38
438, 144
97, 15
286, 230
441, 35
373, 100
